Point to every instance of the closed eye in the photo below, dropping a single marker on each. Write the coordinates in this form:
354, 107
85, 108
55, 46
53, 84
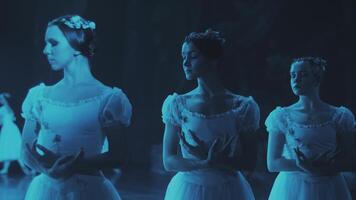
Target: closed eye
53, 42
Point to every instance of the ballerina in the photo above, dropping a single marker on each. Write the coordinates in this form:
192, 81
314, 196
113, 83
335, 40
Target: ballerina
310, 141
212, 127
66, 123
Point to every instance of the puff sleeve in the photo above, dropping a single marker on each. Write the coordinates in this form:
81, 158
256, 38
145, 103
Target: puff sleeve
170, 112
275, 121
31, 107
345, 120
251, 116
116, 109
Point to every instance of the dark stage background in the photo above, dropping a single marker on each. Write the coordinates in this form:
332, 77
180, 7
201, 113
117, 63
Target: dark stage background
139, 51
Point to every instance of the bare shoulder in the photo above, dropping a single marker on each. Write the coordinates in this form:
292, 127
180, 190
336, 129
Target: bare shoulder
291, 107
190, 93
238, 99
98, 84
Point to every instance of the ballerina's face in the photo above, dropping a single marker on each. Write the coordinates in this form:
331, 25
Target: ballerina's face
302, 79
194, 62
57, 49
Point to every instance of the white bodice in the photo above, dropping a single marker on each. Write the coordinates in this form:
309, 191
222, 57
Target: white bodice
65, 128
242, 118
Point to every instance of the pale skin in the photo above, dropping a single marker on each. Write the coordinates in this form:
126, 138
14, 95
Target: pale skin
77, 83
305, 85
208, 98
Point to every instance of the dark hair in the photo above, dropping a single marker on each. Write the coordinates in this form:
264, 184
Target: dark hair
210, 43
79, 32
317, 64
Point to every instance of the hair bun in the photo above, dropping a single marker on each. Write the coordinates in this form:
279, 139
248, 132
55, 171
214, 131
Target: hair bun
209, 42
79, 32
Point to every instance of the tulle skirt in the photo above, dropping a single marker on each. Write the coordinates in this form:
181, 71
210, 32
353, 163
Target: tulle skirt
300, 186
78, 187
10, 141
208, 185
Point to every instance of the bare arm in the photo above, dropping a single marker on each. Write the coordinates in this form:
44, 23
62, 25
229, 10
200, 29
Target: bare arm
59, 166
275, 161
171, 160
110, 159
29, 135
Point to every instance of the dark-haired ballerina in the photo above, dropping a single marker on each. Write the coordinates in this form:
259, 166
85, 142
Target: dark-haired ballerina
66, 123
309, 141
211, 125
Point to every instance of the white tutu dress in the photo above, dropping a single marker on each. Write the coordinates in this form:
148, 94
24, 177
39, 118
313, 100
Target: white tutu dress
67, 127
10, 136
311, 139
210, 184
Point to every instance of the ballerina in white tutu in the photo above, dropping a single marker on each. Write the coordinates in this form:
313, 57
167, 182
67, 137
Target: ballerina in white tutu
208, 131
66, 123
10, 137
310, 141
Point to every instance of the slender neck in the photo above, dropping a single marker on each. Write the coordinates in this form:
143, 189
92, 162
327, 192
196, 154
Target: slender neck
310, 101
210, 84
78, 71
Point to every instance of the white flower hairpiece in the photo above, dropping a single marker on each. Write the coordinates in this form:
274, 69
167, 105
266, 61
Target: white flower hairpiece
319, 62
76, 22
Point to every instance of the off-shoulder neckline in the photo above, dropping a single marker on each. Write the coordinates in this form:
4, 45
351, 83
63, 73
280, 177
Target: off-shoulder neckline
334, 115
79, 102
239, 103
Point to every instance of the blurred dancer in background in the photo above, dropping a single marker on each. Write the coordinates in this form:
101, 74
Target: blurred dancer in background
10, 137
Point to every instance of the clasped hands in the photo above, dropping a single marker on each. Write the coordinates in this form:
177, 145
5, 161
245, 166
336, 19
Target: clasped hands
52, 164
321, 164
216, 155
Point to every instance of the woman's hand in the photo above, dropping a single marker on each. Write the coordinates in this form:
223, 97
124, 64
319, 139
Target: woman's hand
303, 162
53, 165
47, 158
200, 150
319, 165
65, 166
327, 158
216, 156
35, 160
220, 151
